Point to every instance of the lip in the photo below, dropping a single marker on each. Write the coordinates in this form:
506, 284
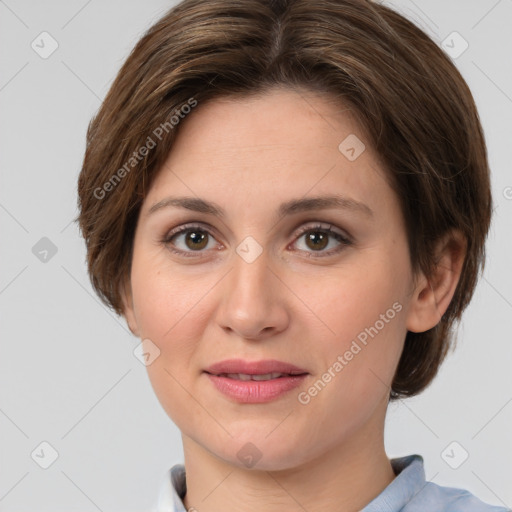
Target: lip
249, 391
253, 367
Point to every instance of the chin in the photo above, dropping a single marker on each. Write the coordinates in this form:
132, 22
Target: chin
264, 453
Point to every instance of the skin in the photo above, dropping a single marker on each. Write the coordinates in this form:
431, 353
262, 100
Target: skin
292, 303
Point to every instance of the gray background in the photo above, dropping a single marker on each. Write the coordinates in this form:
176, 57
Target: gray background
68, 375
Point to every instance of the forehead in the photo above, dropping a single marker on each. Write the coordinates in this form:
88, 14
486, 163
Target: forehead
283, 143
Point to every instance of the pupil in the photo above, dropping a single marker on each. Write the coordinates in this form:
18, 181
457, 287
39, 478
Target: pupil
319, 240
198, 239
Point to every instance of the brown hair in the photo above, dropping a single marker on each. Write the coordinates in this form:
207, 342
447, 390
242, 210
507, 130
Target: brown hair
414, 105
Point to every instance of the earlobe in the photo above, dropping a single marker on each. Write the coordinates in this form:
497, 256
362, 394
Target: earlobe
432, 296
128, 309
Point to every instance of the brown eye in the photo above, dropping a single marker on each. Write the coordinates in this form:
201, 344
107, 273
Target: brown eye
317, 240
188, 240
196, 240
313, 240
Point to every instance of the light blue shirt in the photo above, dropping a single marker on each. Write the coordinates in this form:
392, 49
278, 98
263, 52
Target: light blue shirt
408, 492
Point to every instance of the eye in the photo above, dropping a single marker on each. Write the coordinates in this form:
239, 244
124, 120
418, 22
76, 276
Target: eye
192, 238
188, 239
318, 237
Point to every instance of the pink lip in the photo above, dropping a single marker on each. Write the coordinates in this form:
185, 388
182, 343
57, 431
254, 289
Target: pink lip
253, 367
255, 391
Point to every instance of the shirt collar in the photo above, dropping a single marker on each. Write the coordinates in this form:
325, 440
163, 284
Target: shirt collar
409, 481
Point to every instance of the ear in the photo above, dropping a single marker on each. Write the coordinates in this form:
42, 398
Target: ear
128, 309
431, 297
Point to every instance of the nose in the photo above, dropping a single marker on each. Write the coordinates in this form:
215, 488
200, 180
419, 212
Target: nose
255, 301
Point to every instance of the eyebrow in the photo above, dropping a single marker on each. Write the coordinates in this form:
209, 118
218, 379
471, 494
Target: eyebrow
288, 208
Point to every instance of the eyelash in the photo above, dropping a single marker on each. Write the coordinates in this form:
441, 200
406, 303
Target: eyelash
344, 240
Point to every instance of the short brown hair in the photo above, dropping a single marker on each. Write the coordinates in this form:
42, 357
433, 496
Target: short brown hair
414, 105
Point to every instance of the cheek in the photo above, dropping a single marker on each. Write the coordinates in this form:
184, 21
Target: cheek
167, 301
169, 311
172, 309
360, 361
365, 309
353, 300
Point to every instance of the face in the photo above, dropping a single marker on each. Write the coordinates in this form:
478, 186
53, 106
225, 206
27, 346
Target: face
259, 271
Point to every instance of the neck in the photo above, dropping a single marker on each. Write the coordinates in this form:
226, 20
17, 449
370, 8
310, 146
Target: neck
343, 479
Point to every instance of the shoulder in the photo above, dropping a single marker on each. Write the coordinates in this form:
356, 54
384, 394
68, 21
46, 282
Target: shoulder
450, 499
411, 492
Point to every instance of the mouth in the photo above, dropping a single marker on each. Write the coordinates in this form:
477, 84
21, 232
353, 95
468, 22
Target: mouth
257, 377
257, 370
255, 381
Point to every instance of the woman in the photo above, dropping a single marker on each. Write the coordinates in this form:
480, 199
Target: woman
288, 202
